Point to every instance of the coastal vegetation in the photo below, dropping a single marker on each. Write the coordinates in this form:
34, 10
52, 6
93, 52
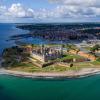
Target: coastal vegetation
16, 58
29, 67
13, 55
95, 48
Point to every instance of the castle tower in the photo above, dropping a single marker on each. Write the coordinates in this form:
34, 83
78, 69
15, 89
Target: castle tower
42, 48
43, 52
29, 48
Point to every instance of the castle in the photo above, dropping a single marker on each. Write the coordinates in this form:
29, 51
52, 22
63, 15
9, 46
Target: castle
45, 53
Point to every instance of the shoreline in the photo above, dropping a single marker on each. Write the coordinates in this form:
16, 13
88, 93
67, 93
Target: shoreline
68, 74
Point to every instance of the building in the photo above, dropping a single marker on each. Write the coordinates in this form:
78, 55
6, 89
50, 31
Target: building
45, 53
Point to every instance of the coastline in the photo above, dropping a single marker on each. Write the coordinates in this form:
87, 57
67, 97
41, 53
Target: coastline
67, 74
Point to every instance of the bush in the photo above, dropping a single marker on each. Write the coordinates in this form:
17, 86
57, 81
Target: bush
98, 59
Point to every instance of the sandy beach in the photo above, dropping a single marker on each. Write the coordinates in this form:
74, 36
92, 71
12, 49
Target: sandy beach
70, 73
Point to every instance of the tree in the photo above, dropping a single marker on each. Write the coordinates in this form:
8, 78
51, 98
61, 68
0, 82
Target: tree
95, 48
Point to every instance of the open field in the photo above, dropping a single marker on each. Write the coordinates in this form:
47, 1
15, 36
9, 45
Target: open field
29, 67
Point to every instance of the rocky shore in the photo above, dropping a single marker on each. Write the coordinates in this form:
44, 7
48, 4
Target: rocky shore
70, 73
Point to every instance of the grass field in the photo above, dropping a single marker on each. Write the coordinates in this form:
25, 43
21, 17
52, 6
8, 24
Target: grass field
29, 67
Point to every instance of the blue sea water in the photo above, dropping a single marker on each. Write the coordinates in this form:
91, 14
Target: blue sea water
14, 88
7, 30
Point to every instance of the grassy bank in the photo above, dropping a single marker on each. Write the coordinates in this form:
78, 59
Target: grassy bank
29, 67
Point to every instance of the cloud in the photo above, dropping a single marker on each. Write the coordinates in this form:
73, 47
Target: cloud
2, 9
77, 2
65, 9
17, 10
75, 11
77, 8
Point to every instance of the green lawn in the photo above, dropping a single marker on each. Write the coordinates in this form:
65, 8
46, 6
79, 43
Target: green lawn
96, 63
71, 56
29, 67
87, 48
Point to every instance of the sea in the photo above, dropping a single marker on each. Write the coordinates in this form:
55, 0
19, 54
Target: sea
19, 88
8, 30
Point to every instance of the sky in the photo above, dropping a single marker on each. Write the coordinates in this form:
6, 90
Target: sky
30, 11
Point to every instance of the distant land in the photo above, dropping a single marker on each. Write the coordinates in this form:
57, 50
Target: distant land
61, 31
